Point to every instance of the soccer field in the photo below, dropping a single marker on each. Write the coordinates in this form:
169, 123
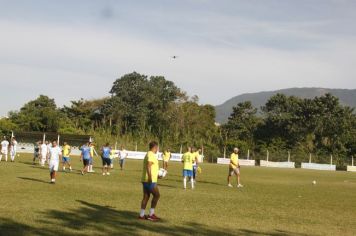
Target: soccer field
273, 202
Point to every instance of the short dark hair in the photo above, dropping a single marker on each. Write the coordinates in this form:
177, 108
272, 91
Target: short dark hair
107, 144
152, 145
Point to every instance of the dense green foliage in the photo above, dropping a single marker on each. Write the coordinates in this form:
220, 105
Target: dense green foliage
143, 108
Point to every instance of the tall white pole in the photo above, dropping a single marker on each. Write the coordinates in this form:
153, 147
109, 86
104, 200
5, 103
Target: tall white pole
58, 140
331, 159
202, 150
136, 147
248, 154
181, 149
116, 145
224, 152
310, 157
12, 134
288, 156
44, 138
352, 160
267, 155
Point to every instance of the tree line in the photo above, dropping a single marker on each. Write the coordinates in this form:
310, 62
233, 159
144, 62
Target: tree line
141, 108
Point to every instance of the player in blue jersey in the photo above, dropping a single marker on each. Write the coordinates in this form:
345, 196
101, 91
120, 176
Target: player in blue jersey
85, 157
105, 157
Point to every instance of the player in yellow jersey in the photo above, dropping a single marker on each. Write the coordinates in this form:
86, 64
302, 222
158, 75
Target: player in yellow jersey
92, 152
234, 168
196, 154
66, 156
149, 182
166, 157
187, 160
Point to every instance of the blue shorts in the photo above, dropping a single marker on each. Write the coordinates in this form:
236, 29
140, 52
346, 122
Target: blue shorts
148, 187
187, 173
65, 159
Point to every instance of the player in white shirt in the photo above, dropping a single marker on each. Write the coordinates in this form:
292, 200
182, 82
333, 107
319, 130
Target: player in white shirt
55, 155
44, 153
122, 154
13, 149
4, 148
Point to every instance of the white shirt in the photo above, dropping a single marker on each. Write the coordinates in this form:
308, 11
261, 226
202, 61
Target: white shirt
122, 154
44, 148
55, 153
4, 144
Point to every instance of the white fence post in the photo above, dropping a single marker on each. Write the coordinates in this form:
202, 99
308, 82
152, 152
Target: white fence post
310, 156
288, 156
267, 155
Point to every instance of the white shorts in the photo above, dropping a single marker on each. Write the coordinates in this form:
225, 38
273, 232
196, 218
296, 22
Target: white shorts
4, 151
44, 155
53, 165
235, 171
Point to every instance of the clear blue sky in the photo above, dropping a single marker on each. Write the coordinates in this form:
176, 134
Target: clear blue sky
72, 49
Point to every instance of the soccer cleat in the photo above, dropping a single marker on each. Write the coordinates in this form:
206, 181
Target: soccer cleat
240, 186
103, 173
230, 185
107, 173
153, 218
82, 172
142, 217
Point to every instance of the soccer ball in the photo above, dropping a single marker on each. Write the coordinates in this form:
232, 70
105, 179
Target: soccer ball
162, 173
314, 182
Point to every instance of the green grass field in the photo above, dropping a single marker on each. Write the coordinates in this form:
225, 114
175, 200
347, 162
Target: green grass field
273, 202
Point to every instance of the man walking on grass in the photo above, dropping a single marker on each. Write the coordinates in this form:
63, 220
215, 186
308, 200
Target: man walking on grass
66, 158
187, 160
234, 168
149, 182
55, 153
85, 156
4, 148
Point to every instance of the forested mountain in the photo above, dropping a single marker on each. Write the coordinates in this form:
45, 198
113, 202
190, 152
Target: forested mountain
347, 97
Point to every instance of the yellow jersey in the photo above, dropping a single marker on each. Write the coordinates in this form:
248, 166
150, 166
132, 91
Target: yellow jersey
92, 151
150, 157
234, 160
112, 154
187, 159
66, 150
166, 156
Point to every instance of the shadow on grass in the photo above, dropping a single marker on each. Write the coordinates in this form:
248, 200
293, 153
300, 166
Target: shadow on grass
34, 180
93, 219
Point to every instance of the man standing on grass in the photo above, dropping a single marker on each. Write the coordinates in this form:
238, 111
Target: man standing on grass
36, 152
196, 154
166, 157
4, 148
105, 157
149, 182
55, 153
234, 168
85, 156
66, 158
44, 153
187, 160
122, 154
91, 161
13, 149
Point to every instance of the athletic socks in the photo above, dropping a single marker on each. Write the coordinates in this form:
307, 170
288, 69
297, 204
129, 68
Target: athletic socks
142, 213
185, 182
192, 183
152, 211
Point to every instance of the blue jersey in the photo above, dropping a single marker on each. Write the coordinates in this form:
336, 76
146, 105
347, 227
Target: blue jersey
86, 152
106, 152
